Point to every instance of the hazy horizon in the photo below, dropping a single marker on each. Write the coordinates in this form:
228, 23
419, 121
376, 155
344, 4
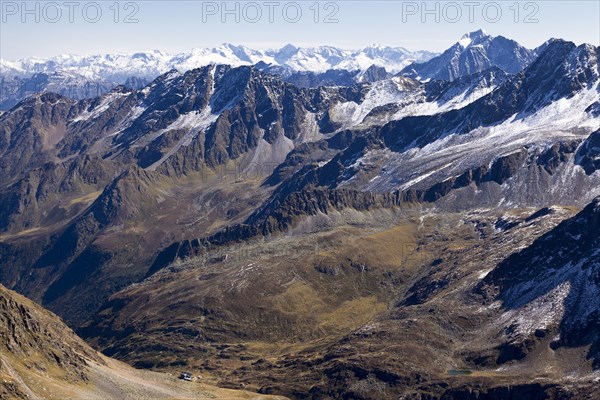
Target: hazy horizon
272, 47
180, 26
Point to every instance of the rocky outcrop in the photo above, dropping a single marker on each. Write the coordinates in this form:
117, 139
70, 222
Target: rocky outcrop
465, 86
374, 73
557, 154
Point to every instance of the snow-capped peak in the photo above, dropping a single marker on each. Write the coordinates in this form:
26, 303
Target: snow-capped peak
478, 34
473, 38
474, 52
465, 41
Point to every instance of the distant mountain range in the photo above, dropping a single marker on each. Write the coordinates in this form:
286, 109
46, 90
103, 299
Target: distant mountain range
118, 67
81, 77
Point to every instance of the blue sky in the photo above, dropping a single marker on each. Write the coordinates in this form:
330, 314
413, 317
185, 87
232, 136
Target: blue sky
174, 26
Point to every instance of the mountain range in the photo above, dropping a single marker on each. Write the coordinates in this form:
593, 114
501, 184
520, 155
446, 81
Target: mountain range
392, 237
118, 67
81, 77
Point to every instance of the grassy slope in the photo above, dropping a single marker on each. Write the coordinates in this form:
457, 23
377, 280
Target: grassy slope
41, 358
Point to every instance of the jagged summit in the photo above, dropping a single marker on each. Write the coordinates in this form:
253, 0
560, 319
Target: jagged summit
478, 34
288, 50
474, 52
473, 38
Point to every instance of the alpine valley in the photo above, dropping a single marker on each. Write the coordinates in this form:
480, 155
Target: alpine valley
310, 223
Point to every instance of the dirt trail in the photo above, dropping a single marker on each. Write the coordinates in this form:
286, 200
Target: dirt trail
119, 381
